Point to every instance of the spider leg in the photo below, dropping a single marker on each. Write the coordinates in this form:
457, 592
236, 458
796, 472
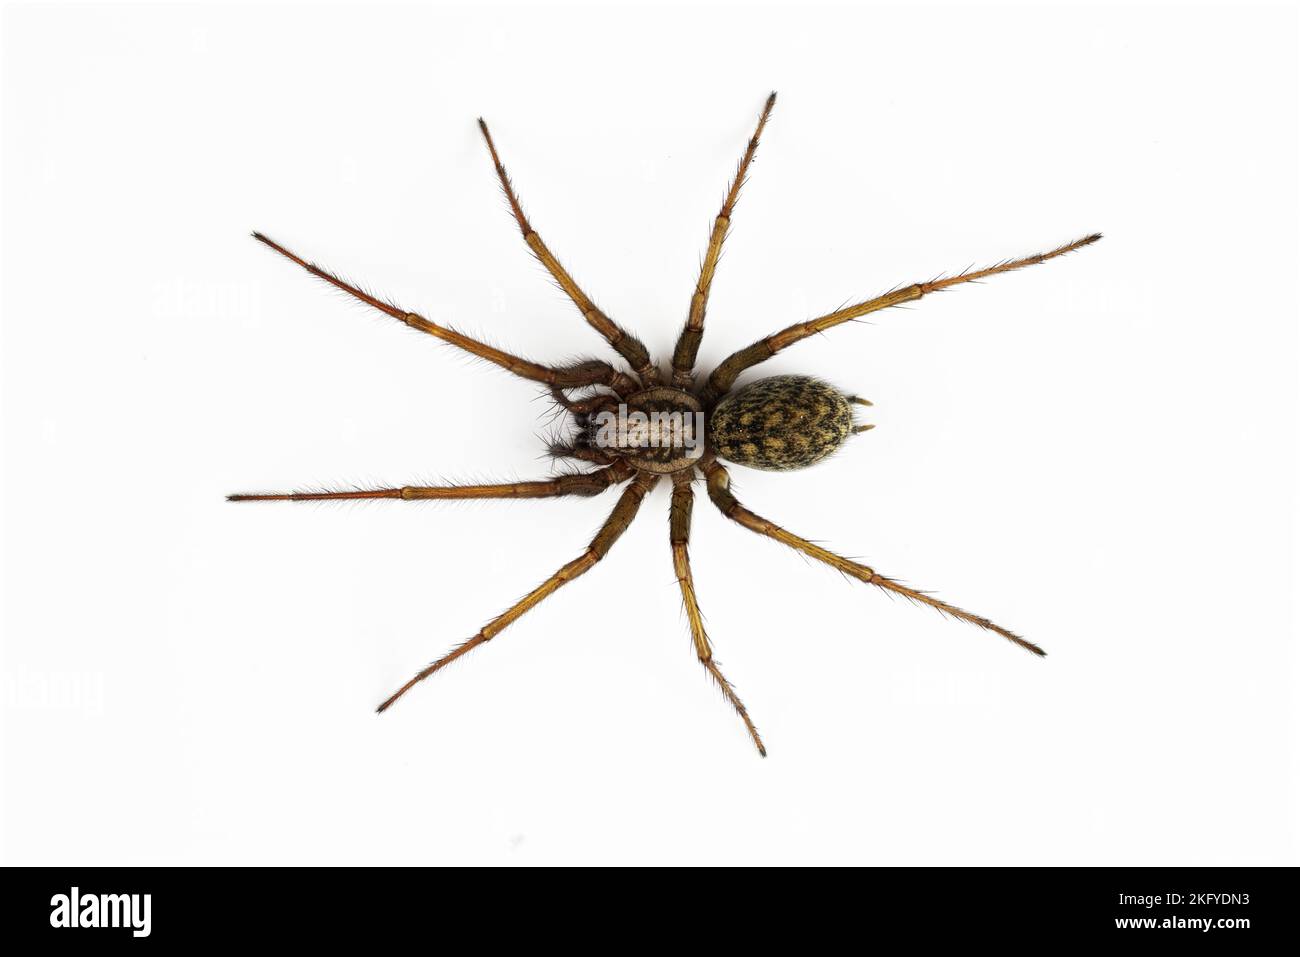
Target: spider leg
625, 344
561, 450
719, 491
688, 343
583, 406
591, 483
591, 372
619, 519
680, 533
724, 376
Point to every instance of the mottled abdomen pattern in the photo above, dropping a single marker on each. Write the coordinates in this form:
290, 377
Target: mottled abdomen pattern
779, 423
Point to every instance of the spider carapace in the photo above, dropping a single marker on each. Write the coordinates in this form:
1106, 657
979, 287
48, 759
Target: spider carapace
636, 423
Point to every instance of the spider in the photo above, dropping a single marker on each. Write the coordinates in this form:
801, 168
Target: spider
631, 427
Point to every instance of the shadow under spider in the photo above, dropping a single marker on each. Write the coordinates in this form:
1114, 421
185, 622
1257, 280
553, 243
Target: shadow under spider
779, 423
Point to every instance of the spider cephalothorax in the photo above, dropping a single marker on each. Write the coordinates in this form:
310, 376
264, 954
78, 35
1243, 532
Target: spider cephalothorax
659, 430
637, 425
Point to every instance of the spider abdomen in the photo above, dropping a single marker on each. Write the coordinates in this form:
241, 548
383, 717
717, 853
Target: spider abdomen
780, 423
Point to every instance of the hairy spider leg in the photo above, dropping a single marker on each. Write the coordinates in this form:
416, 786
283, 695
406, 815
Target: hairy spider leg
588, 373
571, 450
624, 343
679, 519
619, 519
591, 483
724, 376
719, 486
688, 343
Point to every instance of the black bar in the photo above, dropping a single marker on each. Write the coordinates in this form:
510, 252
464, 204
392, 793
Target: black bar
1228, 907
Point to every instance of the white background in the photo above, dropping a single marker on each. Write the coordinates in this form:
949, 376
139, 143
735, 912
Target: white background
1098, 452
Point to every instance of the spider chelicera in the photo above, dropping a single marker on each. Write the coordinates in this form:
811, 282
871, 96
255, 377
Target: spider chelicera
637, 426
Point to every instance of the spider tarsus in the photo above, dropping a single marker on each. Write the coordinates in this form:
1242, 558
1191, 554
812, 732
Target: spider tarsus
292, 257
267, 240
315, 496
388, 703
1015, 639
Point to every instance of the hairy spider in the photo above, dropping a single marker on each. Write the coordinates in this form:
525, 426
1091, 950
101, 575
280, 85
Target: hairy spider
640, 425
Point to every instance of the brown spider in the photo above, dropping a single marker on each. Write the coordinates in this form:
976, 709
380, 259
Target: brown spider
638, 427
